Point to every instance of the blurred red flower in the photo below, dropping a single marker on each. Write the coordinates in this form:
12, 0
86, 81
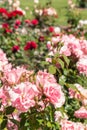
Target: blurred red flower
5, 25
3, 11
15, 13
51, 29
41, 39
30, 45
27, 21
15, 48
34, 22
17, 23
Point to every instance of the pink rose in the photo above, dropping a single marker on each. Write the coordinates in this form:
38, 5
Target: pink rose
42, 77
82, 65
81, 113
65, 50
54, 93
13, 76
3, 60
69, 125
22, 96
3, 96
83, 44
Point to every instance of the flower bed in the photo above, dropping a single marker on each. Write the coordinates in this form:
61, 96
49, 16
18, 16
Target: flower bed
43, 73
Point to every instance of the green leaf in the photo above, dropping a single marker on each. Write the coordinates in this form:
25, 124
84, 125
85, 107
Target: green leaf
14, 121
66, 59
22, 122
61, 63
66, 72
62, 80
71, 86
52, 69
49, 124
44, 63
9, 110
3, 124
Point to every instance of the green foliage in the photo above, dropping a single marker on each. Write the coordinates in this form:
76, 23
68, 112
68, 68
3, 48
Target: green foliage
33, 120
9, 110
82, 3
73, 17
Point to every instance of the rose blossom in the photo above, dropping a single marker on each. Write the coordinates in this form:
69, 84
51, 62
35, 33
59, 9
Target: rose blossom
4, 12
57, 30
23, 96
39, 11
69, 125
50, 12
65, 50
3, 97
54, 93
74, 94
30, 45
3, 60
17, 23
83, 44
10, 2
82, 65
81, 113
81, 90
34, 22
36, 1
10, 124
43, 76
27, 21
15, 48
41, 38
59, 115
51, 29
49, 47
55, 40
5, 25
13, 76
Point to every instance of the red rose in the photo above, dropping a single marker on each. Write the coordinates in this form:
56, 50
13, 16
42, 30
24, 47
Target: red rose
2, 10
34, 22
18, 12
41, 38
30, 45
8, 30
51, 29
17, 24
15, 13
5, 25
27, 21
15, 48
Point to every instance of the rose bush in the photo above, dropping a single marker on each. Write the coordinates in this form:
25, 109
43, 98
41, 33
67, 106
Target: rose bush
25, 38
41, 100
26, 95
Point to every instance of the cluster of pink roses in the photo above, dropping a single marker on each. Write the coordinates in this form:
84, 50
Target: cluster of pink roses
81, 94
71, 46
24, 93
23, 89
